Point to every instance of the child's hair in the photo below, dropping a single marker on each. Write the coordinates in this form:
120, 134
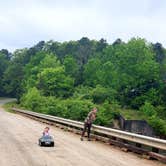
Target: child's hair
47, 128
94, 108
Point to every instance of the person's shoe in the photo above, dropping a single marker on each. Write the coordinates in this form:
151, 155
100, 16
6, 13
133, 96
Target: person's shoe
89, 139
81, 139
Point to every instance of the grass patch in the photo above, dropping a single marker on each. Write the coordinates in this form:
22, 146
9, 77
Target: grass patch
130, 114
1, 98
9, 105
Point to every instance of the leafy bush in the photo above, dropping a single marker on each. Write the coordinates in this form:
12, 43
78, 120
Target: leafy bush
75, 109
82, 92
32, 100
161, 112
158, 125
151, 96
106, 114
54, 82
148, 109
100, 94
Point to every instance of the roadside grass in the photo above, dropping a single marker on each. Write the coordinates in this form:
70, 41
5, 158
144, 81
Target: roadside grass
130, 114
1, 98
7, 107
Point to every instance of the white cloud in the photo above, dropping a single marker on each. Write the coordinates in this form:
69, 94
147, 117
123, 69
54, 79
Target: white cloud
23, 23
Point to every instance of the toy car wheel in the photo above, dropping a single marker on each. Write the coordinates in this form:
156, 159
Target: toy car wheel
52, 144
40, 144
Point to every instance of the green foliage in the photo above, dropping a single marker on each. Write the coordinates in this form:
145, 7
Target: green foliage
100, 94
71, 108
12, 80
77, 109
71, 66
8, 106
107, 112
90, 72
37, 64
67, 79
32, 100
161, 112
151, 96
148, 109
54, 82
4, 62
158, 124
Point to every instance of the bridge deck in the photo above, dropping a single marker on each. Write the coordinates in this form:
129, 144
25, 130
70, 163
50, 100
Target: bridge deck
18, 147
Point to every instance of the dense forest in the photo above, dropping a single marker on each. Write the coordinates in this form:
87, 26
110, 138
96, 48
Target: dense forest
68, 78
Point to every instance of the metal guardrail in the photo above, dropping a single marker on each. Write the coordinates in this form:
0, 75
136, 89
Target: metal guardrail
141, 139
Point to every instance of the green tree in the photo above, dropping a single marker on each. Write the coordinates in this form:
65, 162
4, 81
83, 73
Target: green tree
90, 72
71, 67
4, 62
54, 82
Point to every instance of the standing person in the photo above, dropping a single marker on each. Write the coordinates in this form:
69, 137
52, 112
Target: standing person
88, 123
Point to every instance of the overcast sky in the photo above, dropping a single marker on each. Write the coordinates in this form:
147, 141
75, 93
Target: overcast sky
23, 23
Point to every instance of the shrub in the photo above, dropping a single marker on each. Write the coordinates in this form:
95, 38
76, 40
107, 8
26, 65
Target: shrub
77, 109
32, 100
151, 96
100, 94
158, 125
148, 109
107, 113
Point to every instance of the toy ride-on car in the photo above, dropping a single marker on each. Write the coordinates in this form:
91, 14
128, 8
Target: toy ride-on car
46, 141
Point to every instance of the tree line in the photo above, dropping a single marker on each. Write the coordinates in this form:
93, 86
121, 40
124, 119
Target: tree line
68, 78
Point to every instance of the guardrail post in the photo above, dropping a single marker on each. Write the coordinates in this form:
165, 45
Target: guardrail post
156, 150
138, 145
125, 141
113, 138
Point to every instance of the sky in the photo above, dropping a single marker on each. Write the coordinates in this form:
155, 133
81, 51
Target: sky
23, 23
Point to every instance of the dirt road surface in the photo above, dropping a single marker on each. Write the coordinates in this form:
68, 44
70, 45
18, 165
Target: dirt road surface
19, 147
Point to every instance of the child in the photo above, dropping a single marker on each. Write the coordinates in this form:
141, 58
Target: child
46, 131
